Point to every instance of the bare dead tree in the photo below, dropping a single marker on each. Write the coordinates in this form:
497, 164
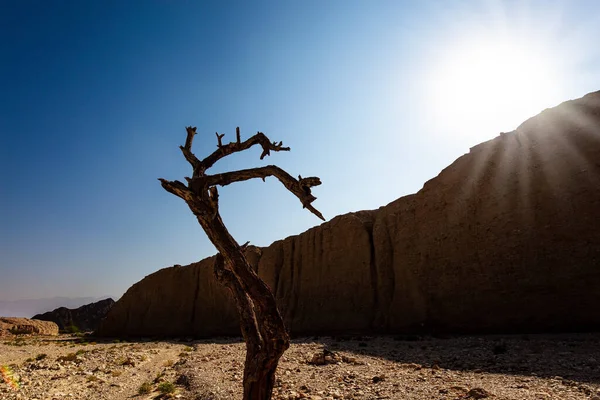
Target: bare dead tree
261, 323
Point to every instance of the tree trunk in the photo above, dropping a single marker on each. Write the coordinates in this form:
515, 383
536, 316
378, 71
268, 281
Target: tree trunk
259, 376
260, 321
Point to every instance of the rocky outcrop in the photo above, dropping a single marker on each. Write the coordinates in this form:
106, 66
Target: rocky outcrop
24, 326
505, 239
84, 318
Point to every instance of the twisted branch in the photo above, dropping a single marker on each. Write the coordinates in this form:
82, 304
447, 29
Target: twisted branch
200, 183
300, 188
234, 147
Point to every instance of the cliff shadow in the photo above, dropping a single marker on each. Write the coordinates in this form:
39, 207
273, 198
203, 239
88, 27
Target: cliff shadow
569, 357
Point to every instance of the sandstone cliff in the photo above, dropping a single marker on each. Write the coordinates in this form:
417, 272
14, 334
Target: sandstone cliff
505, 239
20, 326
84, 318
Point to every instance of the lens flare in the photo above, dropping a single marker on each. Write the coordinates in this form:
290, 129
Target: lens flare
8, 377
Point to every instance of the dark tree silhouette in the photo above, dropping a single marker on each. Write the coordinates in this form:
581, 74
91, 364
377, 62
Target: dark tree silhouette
261, 323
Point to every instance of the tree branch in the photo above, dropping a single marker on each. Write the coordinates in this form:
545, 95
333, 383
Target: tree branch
200, 181
177, 188
300, 188
219, 137
187, 150
234, 147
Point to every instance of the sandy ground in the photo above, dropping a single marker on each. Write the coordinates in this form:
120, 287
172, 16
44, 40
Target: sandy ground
495, 367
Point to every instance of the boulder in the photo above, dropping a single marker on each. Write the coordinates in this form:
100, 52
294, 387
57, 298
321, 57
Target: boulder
505, 239
19, 326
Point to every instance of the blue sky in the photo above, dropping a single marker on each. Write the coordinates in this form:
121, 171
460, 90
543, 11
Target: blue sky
96, 94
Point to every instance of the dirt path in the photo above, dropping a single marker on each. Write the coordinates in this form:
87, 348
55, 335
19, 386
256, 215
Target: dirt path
64, 369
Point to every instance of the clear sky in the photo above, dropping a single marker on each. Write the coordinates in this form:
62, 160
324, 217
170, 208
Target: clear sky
374, 97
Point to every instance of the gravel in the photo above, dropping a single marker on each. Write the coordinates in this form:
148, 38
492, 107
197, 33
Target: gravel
345, 367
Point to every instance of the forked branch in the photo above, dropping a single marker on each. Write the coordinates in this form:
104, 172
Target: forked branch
200, 182
187, 149
237, 146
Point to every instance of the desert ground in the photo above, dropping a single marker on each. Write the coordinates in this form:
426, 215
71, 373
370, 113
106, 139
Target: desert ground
519, 367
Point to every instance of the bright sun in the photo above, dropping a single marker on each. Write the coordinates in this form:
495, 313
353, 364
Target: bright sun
483, 85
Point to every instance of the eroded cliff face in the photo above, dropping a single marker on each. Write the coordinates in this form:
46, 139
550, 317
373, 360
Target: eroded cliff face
505, 239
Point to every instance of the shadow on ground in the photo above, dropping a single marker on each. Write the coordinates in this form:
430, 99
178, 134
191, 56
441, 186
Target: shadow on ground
574, 357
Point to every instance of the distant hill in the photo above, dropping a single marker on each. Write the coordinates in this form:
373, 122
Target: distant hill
28, 307
85, 318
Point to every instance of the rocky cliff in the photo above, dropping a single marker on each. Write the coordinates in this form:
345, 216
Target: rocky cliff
84, 318
505, 239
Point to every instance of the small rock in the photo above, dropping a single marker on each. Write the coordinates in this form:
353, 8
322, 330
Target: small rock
324, 357
478, 393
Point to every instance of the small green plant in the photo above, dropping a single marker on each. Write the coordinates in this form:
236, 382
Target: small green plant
41, 356
159, 377
18, 342
166, 387
126, 361
80, 352
72, 329
188, 348
168, 363
145, 388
